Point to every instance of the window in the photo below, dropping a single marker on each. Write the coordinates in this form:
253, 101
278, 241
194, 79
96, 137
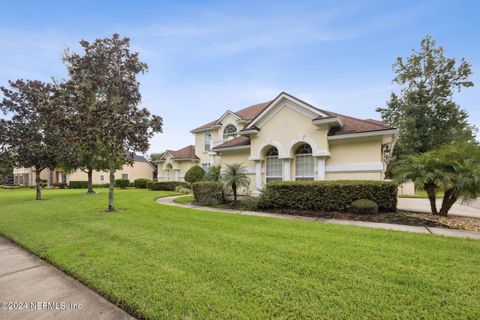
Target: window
208, 137
273, 165
230, 132
124, 175
102, 178
64, 177
206, 166
304, 168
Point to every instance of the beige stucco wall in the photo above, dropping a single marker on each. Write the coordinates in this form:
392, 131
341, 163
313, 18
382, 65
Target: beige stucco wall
174, 170
139, 170
240, 156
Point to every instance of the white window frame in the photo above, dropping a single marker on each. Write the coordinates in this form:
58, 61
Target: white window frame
206, 166
102, 178
207, 141
304, 165
273, 160
231, 134
124, 175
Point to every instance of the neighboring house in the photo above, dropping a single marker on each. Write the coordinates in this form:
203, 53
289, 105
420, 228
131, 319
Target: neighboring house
141, 168
287, 139
174, 163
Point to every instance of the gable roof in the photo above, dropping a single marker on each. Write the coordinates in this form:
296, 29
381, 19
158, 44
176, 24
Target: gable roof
254, 112
185, 153
246, 114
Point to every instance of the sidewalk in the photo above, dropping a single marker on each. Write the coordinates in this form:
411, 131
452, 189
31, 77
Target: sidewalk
376, 225
469, 210
29, 282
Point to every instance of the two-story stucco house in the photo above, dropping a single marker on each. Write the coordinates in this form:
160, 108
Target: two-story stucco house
287, 139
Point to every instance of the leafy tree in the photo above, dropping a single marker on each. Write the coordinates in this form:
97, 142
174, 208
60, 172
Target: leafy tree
424, 111
194, 174
106, 76
6, 169
452, 168
234, 176
33, 134
213, 174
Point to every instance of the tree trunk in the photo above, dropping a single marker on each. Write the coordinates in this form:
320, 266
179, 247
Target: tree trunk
448, 200
38, 187
430, 190
90, 183
234, 188
111, 206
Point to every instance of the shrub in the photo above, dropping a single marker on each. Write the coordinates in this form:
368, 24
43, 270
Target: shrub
140, 183
182, 189
122, 183
60, 185
10, 186
78, 184
43, 183
364, 206
328, 196
101, 185
208, 193
166, 185
194, 174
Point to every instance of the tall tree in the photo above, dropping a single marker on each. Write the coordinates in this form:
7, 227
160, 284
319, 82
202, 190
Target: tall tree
109, 69
33, 134
424, 110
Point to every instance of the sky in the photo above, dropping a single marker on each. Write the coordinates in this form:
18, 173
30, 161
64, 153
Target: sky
205, 57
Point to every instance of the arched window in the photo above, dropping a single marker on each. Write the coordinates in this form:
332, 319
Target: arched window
273, 165
230, 131
304, 168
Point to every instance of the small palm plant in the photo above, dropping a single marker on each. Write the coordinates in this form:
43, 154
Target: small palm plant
213, 174
452, 168
234, 176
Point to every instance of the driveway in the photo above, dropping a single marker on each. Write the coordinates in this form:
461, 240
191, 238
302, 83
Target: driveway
471, 209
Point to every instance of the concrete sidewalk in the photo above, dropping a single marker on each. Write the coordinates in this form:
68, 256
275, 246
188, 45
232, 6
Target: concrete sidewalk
376, 225
469, 210
30, 283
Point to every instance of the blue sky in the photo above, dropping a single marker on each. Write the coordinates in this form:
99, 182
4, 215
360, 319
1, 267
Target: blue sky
206, 56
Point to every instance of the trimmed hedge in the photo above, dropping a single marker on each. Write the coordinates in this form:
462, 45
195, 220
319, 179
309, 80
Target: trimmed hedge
364, 206
166, 185
208, 193
328, 196
140, 183
78, 184
101, 185
60, 185
194, 174
122, 183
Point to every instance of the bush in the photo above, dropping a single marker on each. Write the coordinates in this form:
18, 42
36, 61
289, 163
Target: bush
328, 196
194, 174
43, 183
182, 189
78, 184
122, 183
140, 183
10, 186
208, 193
101, 185
60, 185
364, 206
166, 185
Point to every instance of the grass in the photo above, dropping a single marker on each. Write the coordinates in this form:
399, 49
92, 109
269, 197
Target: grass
423, 194
184, 199
164, 262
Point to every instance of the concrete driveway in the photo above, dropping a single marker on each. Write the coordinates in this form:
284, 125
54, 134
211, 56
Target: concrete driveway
470, 210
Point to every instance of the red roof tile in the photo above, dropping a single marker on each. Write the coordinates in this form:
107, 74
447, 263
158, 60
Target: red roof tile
185, 153
235, 142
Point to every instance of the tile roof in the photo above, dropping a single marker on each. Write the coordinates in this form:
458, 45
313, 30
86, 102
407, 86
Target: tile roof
246, 114
235, 142
185, 153
350, 124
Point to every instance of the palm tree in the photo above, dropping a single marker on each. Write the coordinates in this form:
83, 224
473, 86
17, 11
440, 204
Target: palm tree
452, 168
235, 176
213, 174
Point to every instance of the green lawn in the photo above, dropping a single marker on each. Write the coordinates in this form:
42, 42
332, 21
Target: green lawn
184, 199
164, 262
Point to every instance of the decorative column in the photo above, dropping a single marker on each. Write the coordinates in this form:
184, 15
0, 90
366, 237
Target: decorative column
176, 174
286, 170
258, 174
321, 168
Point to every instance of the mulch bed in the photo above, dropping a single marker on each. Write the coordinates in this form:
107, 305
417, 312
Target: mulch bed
400, 217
